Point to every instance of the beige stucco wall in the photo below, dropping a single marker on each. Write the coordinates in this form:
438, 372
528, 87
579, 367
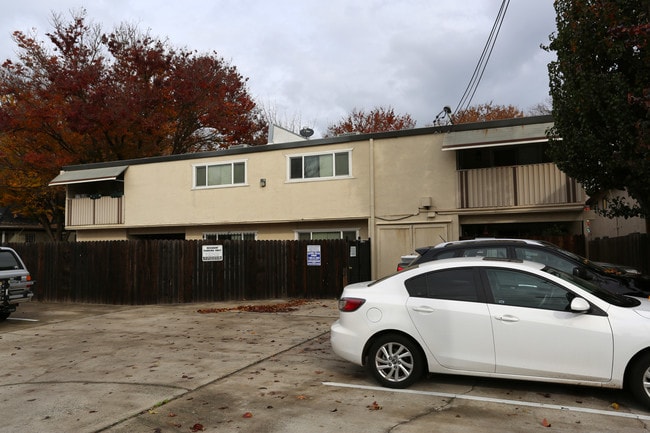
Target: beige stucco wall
161, 194
409, 174
101, 235
408, 169
402, 194
600, 226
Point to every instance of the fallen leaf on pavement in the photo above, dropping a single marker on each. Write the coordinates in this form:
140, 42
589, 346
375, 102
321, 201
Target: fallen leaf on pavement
374, 406
269, 308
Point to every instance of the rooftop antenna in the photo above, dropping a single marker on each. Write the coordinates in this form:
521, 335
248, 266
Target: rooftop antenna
445, 112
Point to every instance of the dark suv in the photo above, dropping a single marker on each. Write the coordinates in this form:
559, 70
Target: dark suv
542, 252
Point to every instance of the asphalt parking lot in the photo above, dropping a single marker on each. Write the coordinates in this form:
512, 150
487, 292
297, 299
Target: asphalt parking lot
97, 368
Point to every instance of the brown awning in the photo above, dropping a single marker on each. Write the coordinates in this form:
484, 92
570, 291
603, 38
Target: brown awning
90, 175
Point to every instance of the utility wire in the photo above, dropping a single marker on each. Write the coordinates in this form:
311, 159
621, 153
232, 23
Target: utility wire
468, 95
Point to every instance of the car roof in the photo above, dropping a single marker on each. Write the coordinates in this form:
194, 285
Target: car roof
479, 261
485, 241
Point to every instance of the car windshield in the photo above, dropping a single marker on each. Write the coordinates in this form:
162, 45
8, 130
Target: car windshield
612, 298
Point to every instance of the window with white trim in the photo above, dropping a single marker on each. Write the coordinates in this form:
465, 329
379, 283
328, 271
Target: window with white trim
214, 175
235, 236
314, 235
320, 165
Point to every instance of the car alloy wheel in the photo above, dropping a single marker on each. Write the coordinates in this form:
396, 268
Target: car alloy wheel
395, 361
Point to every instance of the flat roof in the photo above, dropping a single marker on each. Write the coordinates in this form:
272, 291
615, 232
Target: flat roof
447, 129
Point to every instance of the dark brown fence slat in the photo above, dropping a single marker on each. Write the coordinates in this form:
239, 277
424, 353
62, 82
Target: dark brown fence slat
173, 271
631, 250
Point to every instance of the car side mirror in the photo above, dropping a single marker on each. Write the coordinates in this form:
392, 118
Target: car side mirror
580, 305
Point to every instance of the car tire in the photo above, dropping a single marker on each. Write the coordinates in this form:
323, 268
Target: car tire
639, 379
3, 316
395, 361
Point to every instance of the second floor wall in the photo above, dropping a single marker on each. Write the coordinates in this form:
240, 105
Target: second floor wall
391, 177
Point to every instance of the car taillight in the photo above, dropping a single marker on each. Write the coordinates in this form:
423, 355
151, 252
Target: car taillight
400, 268
350, 304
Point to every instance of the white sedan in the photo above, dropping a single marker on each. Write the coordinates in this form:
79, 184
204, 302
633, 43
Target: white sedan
495, 318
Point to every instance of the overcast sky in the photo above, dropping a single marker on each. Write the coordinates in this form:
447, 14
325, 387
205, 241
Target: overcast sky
315, 61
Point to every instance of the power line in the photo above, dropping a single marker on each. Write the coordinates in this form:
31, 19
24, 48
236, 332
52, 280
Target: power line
468, 95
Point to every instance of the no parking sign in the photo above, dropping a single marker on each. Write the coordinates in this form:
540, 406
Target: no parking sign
212, 253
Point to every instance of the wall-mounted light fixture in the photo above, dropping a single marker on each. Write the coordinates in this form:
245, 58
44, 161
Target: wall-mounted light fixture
262, 183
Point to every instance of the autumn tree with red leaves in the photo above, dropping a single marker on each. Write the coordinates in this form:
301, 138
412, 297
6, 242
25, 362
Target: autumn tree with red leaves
90, 96
486, 112
379, 119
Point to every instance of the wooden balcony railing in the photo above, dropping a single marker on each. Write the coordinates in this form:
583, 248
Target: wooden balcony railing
522, 185
103, 210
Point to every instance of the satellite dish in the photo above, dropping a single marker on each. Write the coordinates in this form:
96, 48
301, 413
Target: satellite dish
306, 132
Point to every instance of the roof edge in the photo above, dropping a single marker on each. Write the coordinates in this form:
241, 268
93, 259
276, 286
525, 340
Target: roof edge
531, 120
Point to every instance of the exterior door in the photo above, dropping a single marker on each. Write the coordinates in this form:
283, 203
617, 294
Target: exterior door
394, 241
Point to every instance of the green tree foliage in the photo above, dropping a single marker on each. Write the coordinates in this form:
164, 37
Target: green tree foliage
89, 96
600, 85
379, 119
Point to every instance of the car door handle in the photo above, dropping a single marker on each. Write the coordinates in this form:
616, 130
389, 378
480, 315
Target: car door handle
423, 309
507, 318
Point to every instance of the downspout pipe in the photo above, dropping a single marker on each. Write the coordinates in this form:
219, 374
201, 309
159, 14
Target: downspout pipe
372, 226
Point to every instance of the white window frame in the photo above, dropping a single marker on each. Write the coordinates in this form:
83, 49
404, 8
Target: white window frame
311, 232
321, 178
232, 163
209, 235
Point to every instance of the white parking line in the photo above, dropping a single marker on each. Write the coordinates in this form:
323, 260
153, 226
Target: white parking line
24, 320
496, 400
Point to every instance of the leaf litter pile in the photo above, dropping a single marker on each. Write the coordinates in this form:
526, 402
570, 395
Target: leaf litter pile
284, 307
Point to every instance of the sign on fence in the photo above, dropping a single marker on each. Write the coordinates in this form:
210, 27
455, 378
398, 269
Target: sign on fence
313, 255
212, 253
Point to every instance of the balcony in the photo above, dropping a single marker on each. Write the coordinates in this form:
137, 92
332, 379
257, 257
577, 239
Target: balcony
85, 211
517, 186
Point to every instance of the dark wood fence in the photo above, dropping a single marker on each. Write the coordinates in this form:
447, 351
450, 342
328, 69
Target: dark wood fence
173, 271
631, 250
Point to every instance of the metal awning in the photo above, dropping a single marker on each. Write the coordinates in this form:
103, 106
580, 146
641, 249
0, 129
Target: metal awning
487, 137
477, 145
90, 175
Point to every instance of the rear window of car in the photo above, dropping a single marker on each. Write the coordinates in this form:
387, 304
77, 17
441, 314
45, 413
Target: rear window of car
451, 284
445, 255
499, 252
8, 261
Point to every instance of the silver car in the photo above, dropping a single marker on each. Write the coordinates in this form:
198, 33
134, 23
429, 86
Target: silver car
15, 282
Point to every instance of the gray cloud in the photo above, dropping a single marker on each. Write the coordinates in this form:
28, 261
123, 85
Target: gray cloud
319, 60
